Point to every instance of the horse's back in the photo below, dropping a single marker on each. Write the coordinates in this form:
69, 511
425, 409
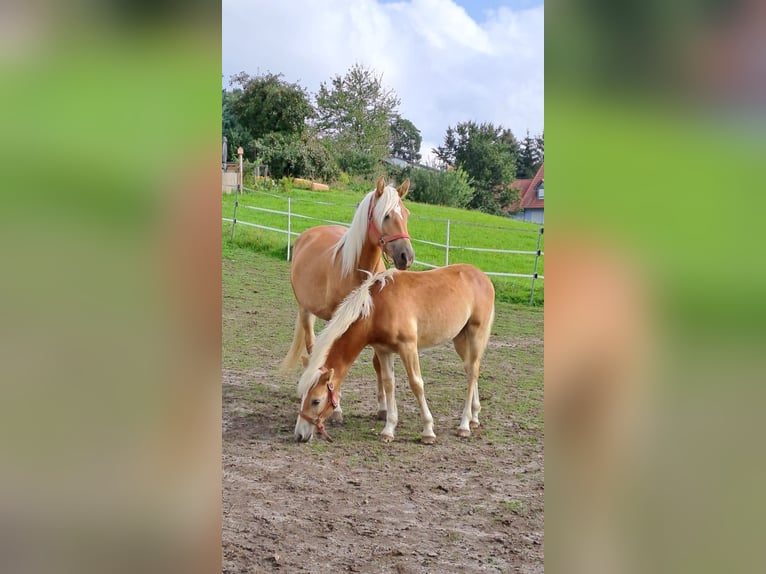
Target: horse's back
457, 281
435, 305
316, 241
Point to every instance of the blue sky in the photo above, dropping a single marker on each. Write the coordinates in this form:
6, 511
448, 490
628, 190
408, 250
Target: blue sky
478, 9
447, 60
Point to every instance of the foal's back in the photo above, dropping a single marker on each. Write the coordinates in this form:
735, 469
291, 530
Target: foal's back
429, 307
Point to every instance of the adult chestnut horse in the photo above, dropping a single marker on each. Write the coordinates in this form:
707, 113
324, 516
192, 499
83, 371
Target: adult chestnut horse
401, 312
330, 261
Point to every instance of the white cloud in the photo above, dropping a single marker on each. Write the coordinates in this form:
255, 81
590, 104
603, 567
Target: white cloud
444, 66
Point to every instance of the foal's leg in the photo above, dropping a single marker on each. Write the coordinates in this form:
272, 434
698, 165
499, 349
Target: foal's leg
386, 365
465, 345
381, 390
412, 364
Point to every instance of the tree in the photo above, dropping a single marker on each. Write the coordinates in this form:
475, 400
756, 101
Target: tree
268, 104
530, 157
354, 113
235, 133
487, 153
404, 140
540, 143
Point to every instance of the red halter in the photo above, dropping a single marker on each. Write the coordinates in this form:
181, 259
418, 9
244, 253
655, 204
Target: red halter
331, 405
382, 239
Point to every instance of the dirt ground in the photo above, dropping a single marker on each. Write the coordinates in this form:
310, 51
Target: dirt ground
356, 505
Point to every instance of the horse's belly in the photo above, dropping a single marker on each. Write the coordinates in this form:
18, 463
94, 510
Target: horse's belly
438, 329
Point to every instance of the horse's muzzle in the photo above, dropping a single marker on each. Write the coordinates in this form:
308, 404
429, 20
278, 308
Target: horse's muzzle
402, 254
303, 430
302, 438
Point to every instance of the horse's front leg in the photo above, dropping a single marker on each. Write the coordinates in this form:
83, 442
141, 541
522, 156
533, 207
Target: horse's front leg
412, 364
386, 365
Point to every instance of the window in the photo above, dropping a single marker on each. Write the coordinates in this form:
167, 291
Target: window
540, 191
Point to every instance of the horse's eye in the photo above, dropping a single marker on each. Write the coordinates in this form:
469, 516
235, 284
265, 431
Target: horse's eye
315, 402
387, 217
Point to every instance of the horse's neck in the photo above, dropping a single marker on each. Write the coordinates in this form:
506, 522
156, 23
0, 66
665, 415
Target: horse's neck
369, 258
346, 349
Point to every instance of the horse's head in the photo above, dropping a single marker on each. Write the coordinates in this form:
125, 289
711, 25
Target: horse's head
316, 405
390, 230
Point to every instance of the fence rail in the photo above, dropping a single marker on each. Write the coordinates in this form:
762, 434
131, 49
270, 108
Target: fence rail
290, 214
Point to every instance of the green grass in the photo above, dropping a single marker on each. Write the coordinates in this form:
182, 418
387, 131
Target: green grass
427, 222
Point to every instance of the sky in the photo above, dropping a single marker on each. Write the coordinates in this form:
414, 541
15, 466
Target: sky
449, 61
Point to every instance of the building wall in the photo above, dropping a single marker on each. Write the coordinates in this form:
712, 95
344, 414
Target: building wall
534, 215
531, 215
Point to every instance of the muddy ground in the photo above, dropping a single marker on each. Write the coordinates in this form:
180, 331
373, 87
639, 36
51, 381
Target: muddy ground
356, 505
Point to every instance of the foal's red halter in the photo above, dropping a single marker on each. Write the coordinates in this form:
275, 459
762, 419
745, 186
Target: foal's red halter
382, 239
332, 404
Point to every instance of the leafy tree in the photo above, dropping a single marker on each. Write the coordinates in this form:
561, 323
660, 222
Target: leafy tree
404, 140
354, 112
487, 153
235, 133
268, 104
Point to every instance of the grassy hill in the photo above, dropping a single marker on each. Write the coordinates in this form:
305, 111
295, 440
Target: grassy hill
427, 222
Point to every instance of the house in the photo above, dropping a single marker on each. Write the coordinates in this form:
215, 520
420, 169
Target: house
531, 198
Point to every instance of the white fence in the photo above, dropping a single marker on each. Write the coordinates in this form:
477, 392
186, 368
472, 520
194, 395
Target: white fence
290, 214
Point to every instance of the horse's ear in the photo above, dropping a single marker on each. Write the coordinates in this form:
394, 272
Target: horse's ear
330, 374
404, 188
380, 186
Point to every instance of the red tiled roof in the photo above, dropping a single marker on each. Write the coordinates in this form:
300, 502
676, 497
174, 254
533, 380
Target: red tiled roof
529, 199
527, 192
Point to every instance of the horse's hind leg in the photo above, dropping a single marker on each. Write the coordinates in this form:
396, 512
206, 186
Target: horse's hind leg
307, 319
470, 353
381, 390
412, 365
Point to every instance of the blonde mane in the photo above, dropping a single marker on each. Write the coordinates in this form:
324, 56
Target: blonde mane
357, 304
350, 244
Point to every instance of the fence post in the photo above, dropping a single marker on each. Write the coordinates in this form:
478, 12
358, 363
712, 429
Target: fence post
534, 271
237, 189
446, 254
289, 226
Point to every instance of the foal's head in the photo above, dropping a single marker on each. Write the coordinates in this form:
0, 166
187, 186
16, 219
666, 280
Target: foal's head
316, 405
388, 225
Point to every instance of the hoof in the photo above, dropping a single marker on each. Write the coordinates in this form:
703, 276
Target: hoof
463, 433
382, 415
474, 424
428, 439
386, 438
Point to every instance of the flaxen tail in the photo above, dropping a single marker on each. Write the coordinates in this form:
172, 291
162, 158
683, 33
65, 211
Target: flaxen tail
293, 357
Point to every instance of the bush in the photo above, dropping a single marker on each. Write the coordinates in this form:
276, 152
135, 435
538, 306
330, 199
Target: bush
285, 184
357, 163
451, 188
296, 156
343, 180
